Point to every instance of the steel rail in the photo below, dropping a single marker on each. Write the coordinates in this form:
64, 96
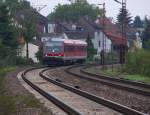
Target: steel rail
69, 110
109, 83
115, 106
144, 85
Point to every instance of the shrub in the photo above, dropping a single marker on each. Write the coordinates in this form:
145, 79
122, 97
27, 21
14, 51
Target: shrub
139, 62
23, 61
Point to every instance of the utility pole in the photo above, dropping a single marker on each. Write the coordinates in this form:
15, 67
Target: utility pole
102, 53
123, 31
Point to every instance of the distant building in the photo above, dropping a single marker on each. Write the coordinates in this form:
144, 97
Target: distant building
82, 29
35, 44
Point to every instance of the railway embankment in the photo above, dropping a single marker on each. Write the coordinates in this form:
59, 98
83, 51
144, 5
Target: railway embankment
14, 98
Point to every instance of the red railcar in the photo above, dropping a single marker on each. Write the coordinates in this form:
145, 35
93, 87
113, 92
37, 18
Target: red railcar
64, 51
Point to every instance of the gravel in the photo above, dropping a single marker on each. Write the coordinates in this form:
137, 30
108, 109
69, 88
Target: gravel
132, 100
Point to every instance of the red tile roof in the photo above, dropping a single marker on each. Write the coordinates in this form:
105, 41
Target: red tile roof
112, 31
116, 39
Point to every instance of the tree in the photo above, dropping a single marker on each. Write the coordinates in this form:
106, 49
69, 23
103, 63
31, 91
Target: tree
8, 41
28, 21
145, 22
146, 35
90, 48
72, 12
124, 17
137, 23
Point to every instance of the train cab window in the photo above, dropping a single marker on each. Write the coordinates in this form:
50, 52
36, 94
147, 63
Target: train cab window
54, 47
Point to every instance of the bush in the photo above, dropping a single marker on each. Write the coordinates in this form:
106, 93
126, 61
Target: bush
23, 61
139, 62
39, 55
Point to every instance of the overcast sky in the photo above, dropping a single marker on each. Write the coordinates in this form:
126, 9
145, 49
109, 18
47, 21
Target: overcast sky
135, 7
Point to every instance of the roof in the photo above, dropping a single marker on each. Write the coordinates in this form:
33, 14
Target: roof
91, 23
30, 12
117, 40
68, 41
112, 31
76, 34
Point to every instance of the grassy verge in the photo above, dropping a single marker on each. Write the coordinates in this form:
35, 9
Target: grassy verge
118, 73
9, 103
137, 77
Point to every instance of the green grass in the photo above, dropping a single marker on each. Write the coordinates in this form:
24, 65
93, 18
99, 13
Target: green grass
111, 72
30, 101
137, 78
8, 103
118, 73
4, 70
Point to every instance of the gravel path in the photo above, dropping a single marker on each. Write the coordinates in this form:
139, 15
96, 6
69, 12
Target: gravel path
138, 102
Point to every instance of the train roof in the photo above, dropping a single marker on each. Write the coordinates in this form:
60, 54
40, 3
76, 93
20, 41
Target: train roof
69, 41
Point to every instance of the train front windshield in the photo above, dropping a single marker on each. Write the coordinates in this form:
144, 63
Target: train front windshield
53, 47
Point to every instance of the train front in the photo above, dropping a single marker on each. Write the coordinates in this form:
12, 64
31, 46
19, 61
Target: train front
53, 52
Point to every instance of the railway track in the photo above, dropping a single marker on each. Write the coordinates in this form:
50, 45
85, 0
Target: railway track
78, 105
136, 87
67, 108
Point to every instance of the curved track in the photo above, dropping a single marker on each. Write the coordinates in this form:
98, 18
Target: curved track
136, 87
118, 107
39, 85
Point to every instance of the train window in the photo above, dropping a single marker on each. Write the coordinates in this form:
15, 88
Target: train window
54, 49
69, 48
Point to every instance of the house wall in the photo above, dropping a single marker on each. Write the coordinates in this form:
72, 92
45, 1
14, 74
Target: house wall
98, 42
33, 49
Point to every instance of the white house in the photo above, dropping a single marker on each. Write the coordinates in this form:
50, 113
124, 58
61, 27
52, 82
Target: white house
101, 41
33, 49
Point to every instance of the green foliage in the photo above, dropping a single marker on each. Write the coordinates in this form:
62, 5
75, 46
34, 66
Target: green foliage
39, 55
72, 12
8, 33
137, 23
90, 48
10, 10
7, 30
23, 61
124, 17
139, 63
146, 36
16, 6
